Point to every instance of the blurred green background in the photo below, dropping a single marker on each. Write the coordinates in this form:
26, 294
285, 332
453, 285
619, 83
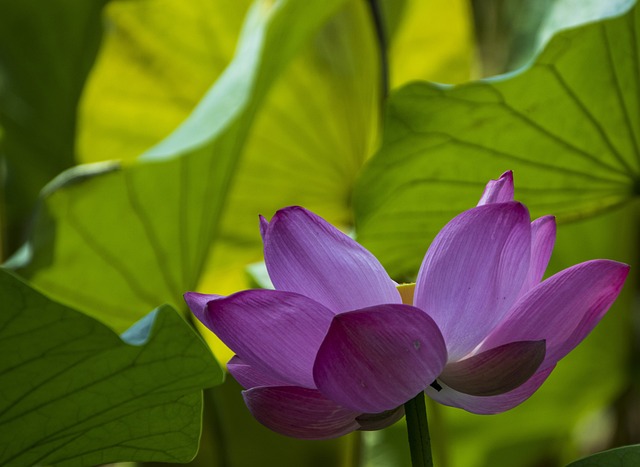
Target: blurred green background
140, 139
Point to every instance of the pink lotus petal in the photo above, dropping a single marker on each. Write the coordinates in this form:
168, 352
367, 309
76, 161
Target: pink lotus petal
275, 332
498, 191
490, 404
543, 237
378, 421
377, 358
299, 412
473, 272
264, 225
307, 255
249, 377
197, 302
495, 371
563, 309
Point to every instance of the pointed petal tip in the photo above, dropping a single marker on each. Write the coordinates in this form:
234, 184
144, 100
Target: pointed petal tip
264, 225
617, 270
543, 237
563, 309
197, 303
498, 191
284, 214
287, 210
548, 219
507, 175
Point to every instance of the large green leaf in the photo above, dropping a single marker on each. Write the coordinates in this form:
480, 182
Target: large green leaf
572, 142
46, 52
628, 456
74, 393
113, 241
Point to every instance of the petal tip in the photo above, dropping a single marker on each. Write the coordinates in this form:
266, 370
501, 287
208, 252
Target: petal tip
498, 191
196, 301
264, 225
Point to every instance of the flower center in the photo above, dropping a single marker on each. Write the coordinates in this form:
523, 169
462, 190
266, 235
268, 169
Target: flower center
406, 292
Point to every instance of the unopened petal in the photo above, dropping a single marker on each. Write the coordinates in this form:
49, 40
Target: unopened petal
299, 412
276, 332
563, 309
495, 371
473, 273
307, 255
498, 191
489, 404
377, 358
250, 377
543, 237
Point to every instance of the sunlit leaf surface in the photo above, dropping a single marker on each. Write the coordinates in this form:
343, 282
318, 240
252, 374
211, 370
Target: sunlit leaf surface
76, 394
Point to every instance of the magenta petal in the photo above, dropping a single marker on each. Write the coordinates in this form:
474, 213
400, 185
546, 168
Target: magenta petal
249, 377
378, 421
264, 225
276, 332
305, 254
495, 371
543, 237
197, 302
498, 191
377, 358
491, 404
299, 412
563, 309
473, 273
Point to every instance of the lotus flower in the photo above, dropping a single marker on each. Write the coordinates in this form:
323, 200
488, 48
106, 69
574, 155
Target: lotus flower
334, 349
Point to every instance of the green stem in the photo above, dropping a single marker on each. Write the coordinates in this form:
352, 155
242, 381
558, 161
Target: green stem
418, 431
